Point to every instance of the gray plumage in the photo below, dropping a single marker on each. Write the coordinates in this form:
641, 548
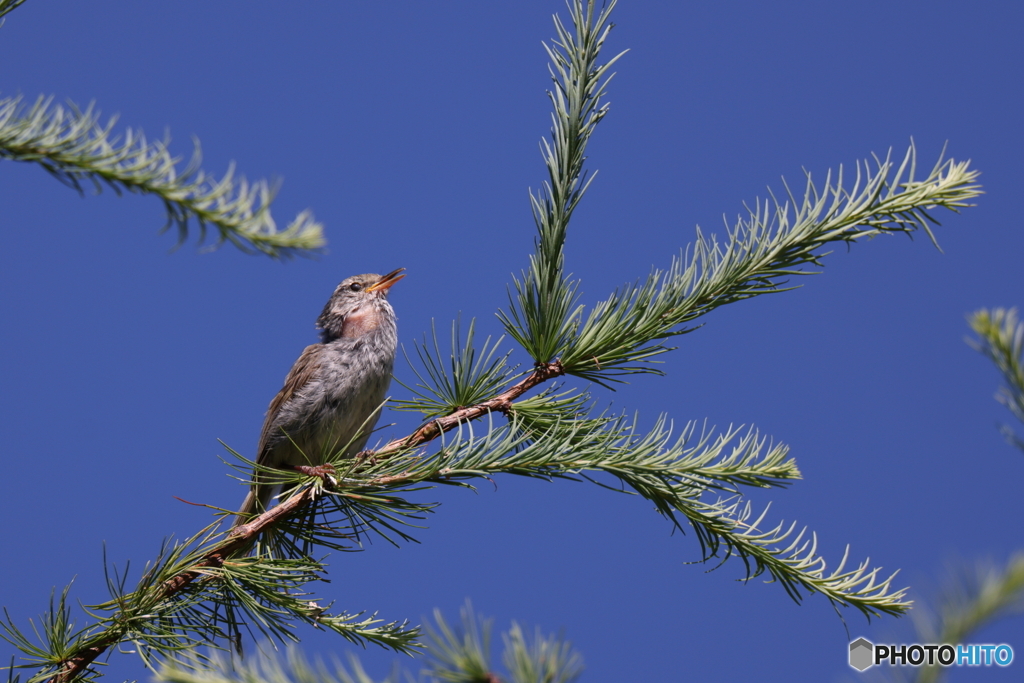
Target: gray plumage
335, 387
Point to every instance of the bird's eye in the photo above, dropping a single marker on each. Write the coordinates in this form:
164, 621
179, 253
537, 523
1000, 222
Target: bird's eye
355, 287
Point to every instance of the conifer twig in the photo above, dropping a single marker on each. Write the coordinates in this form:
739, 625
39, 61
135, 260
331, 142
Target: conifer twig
75, 147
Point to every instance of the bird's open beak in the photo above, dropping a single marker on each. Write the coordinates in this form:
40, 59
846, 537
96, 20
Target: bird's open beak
385, 283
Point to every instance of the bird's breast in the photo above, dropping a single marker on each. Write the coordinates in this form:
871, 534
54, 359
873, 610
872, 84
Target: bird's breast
343, 400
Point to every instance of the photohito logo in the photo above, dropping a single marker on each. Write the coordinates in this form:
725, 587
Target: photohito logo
865, 654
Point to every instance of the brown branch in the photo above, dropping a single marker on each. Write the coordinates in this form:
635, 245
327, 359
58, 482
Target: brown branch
240, 538
243, 535
501, 403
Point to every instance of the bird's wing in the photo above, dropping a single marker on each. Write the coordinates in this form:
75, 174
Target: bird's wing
300, 374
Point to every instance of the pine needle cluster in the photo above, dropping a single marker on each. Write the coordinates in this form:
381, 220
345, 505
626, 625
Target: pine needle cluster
78, 149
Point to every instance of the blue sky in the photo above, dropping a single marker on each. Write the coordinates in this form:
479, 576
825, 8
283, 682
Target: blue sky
411, 130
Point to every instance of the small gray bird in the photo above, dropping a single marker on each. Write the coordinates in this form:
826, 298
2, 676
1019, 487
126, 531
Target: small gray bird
335, 388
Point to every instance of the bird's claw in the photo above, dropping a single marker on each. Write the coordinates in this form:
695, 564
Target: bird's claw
321, 471
366, 457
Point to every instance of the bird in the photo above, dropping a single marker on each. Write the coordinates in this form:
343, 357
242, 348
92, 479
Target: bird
332, 396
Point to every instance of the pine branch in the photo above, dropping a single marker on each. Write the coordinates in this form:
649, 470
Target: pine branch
973, 597
776, 241
265, 668
1001, 340
196, 592
548, 659
464, 379
541, 314
75, 148
674, 474
461, 655
761, 253
501, 403
457, 654
7, 6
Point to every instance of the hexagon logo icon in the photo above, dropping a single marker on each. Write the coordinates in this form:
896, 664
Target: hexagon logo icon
861, 654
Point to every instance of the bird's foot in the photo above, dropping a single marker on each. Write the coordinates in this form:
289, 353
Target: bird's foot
322, 471
366, 457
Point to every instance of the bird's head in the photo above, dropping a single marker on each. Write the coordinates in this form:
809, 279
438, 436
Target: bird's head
358, 306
